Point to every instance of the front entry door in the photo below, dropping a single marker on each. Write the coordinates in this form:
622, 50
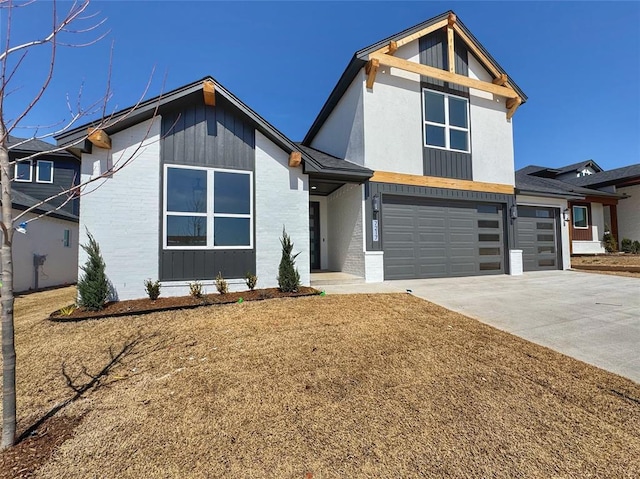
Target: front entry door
314, 234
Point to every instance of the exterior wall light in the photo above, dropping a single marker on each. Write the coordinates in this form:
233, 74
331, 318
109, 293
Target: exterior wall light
375, 203
565, 215
513, 212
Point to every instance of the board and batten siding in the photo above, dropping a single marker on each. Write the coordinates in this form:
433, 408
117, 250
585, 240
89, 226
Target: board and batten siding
433, 52
212, 137
121, 211
281, 201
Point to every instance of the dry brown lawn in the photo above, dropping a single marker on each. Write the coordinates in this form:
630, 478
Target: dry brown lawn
383, 386
615, 261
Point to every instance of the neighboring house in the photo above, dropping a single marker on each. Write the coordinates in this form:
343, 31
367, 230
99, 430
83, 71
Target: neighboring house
209, 188
595, 201
430, 111
47, 254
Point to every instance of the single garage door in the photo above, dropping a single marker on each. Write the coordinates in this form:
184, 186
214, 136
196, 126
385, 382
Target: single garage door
424, 238
537, 238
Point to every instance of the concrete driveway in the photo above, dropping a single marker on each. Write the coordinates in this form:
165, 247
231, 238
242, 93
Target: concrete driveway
592, 317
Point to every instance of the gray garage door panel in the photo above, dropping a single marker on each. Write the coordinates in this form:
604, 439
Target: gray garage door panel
537, 238
428, 239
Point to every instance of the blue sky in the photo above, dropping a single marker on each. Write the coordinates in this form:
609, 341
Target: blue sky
578, 62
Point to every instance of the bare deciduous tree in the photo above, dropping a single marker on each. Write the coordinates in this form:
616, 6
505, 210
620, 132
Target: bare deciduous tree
75, 23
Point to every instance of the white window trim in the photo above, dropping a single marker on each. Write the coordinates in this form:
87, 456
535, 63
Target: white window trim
38, 180
15, 171
445, 125
210, 215
586, 216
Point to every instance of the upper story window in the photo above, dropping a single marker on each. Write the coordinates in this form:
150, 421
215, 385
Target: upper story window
580, 217
23, 171
446, 121
206, 208
44, 171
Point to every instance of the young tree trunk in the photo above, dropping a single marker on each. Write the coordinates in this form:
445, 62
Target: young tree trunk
8, 345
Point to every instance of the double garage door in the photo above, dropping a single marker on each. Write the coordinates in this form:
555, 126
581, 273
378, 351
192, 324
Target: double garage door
424, 238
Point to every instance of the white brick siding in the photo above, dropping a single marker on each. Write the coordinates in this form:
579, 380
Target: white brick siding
281, 199
346, 251
123, 212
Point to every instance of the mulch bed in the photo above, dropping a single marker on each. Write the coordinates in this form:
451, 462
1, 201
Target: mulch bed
27, 456
146, 305
604, 267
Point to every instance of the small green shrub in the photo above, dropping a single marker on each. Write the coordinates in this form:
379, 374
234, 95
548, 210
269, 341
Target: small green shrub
195, 289
251, 280
152, 288
221, 284
636, 247
626, 245
93, 286
288, 275
610, 242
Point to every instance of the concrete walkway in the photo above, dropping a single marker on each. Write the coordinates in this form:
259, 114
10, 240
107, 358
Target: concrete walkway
592, 317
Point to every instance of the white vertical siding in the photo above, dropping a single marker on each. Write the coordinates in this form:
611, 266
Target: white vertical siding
281, 199
123, 212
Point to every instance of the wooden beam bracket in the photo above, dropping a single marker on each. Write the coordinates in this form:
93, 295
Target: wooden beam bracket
99, 138
295, 158
501, 80
393, 47
512, 105
209, 91
371, 70
443, 75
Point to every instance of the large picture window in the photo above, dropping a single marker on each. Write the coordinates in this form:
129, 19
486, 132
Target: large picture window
446, 121
207, 208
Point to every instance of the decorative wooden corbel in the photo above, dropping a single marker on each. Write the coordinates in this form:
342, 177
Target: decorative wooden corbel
371, 70
295, 158
209, 90
99, 138
451, 20
512, 105
393, 47
501, 80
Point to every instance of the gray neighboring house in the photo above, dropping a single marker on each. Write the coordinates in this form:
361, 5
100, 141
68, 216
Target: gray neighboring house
47, 254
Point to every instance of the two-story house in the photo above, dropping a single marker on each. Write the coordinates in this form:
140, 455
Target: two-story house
429, 111
45, 253
407, 172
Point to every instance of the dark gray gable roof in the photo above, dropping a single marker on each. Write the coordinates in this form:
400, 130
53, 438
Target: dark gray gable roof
127, 117
21, 201
331, 164
578, 167
358, 61
33, 145
528, 183
610, 177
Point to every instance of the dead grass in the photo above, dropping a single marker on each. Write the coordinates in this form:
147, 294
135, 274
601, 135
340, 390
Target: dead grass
617, 263
340, 386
